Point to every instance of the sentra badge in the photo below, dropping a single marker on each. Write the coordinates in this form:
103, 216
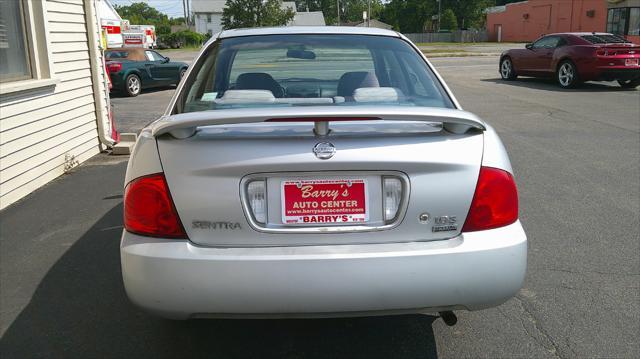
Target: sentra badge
216, 225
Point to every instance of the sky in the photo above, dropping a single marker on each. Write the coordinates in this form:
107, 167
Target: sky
173, 8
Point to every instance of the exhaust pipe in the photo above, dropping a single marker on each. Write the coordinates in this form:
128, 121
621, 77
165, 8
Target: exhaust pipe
449, 318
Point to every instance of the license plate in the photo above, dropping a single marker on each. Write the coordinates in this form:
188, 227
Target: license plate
329, 201
631, 62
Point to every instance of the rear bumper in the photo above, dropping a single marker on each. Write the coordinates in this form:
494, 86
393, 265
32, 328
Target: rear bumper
117, 82
176, 279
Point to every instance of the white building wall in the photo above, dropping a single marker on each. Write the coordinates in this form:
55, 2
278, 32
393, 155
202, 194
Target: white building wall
208, 23
200, 22
216, 24
44, 133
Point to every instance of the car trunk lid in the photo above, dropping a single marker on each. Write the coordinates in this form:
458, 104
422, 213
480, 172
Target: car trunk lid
209, 173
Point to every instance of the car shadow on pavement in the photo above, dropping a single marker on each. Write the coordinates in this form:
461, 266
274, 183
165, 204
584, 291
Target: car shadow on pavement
80, 310
551, 85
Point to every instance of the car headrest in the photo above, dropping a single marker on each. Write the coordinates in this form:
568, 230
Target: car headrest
246, 96
377, 94
259, 81
350, 81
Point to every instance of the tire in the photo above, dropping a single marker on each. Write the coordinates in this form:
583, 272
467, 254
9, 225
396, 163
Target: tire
567, 75
133, 85
507, 72
629, 84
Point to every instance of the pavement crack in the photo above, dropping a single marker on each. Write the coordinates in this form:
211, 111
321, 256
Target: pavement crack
534, 330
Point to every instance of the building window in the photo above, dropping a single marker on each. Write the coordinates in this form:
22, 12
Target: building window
624, 21
14, 56
209, 18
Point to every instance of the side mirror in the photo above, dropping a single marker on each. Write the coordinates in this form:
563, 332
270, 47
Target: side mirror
165, 60
529, 46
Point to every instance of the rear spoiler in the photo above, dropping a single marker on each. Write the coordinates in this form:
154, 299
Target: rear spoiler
185, 125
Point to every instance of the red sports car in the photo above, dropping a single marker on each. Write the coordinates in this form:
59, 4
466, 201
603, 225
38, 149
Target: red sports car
574, 58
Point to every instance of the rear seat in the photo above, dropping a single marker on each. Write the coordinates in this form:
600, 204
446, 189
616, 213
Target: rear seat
362, 94
266, 96
378, 94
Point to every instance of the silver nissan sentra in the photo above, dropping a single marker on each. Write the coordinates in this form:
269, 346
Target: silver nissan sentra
318, 171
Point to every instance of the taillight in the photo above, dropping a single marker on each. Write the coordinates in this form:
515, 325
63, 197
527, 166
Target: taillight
114, 67
495, 202
606, 52
149, 209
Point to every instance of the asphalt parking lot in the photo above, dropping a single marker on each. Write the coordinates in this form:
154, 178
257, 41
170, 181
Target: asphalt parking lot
576, 155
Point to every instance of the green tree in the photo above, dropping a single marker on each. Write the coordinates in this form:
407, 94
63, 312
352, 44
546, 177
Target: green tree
470, 14
449, 21
409, 15
350, 10
353, 10
141, 13
163, 29
255, 13
183, 38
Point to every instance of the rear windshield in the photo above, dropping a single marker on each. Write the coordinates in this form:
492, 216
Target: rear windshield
310, 70
116, 54
604, 39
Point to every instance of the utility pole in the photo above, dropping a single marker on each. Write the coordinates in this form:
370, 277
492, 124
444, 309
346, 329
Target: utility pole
439, 6
338, 8
189, 14
369, 13
184, 8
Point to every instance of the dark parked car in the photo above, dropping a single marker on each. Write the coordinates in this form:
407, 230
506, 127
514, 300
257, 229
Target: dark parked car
134, 69
575, 57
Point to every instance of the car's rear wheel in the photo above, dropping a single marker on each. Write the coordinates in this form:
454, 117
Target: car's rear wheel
133, 85
507, 72
629, 84
567, 75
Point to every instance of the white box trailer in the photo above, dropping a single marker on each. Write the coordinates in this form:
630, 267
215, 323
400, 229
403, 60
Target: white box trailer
111, 23
113, 31
134, 38
149, 32
120, 33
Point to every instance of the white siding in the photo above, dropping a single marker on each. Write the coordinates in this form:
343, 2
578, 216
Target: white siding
201, 23
40, 133
216, 23
203, 26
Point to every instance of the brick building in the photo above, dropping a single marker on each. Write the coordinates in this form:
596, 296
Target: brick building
528, 20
